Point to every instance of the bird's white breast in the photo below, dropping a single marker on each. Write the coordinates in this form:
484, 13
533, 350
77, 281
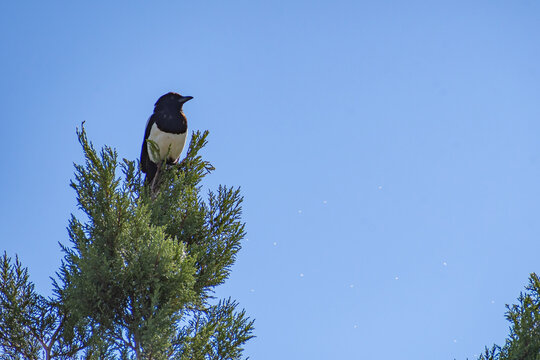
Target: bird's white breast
167, 143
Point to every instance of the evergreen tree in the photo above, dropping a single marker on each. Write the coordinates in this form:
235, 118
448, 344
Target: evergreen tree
523, 342
137, 279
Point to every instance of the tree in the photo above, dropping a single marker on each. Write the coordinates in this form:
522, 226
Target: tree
138, 277
523, 342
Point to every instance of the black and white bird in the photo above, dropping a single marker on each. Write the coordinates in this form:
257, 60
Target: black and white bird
166, 128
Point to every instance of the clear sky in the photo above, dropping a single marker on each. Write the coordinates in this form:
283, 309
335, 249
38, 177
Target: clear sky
388, 152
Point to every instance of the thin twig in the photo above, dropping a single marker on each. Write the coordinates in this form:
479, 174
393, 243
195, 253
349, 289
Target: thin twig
155, 181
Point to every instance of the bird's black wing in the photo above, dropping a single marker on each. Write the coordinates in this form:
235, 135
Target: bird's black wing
145, 159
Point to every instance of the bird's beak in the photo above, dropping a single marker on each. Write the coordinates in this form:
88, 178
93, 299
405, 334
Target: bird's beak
185, 99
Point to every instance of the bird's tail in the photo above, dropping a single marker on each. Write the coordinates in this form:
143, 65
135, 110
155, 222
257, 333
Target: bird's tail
151, 170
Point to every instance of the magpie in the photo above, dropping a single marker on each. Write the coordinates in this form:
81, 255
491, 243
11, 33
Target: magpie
166, 128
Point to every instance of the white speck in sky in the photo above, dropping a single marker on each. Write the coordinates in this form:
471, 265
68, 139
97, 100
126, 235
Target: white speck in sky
444, 263
379, 187
324, 202
396, 278
493, 301
252, 290
351, 286
355, 326
275, 243
299, 211
301, 274
455, 341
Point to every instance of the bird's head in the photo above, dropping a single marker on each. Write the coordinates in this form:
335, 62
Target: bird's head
172, 100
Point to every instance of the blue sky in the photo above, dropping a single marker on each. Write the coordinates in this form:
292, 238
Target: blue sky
388, 153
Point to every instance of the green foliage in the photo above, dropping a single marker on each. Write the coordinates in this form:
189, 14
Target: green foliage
217, 333
19, 305
137, 280
524, 339
30, 323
